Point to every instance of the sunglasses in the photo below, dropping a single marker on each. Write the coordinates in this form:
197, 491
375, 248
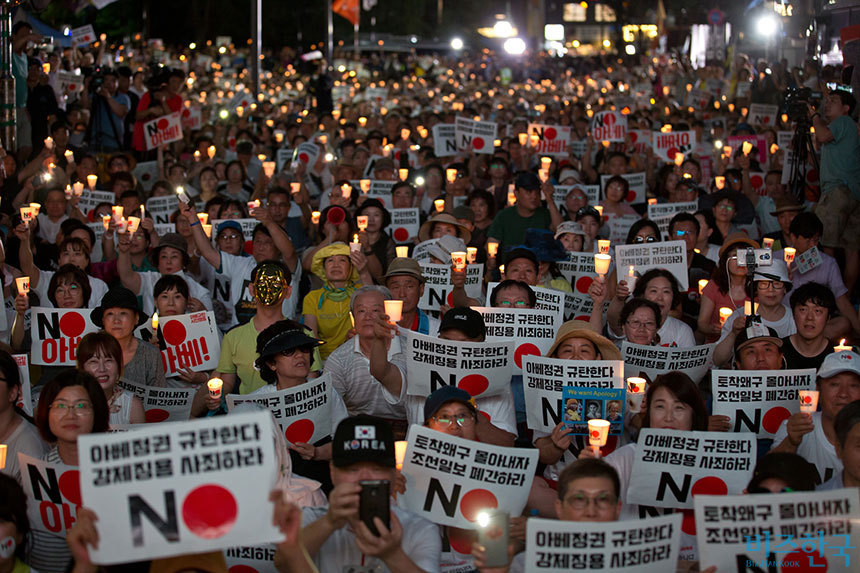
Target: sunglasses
649, 239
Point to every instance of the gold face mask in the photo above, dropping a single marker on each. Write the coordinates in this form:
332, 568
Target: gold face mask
270, 285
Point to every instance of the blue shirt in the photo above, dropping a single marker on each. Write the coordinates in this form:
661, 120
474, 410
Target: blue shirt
103, 133
839, 164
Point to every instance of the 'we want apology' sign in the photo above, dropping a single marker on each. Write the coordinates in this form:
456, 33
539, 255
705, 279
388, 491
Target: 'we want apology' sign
450, 480
544, 381
188, 487
56, 334
480, 368
672, 466
758, 401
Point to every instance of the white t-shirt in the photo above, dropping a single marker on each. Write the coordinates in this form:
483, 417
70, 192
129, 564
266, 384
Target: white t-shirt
814, 448
48, 229
338, 408
784, 326
421, 543
97, 286
147, 285
26, 440
499, 408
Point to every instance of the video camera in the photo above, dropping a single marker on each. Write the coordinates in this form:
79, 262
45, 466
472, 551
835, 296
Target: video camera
796, 101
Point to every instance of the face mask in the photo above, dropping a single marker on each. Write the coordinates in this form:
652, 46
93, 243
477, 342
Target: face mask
270, 285
7, 547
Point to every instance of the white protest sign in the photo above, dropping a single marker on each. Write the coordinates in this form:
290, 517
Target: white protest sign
83, 35
802, 531
650, 546
404, 224
552, 139
576, 263
783, 139
673, 466
762, 114
381, 190
192, 117
662, 213
546, 298
53, 494
25, 397
251, 559
421, 250
303, 412
640, 139
180, 488
480, 368
544, 380
91, 199
438, 289
651, 361
167, 404
191, 341
449, 480
609, 126
70, 81
162, 130
444, 140
619, 227
56, 334
559, 194
147, 173
759, 141
758, 401
669, 255
282, 157
533, 330
666, 145
698, 99
638, 186
808, 260
161, 208
757, 181
307, 153
376, 95
477, 136
242, 98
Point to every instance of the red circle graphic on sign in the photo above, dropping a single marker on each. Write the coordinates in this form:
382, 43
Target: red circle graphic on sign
450, 299
156, 415
486, 415
631, 196
633, 136
583, 284
474, 384
72, 324
523, 350
401, 235
774, 417
688, 524
756, 181
670, 153
162, 123
209, 511
805, 561
174, 332
595, 434
249, 247
461, 539
476, 501
70, 486
549, 133
609, 119
299, 431
478, 143
806, 399
186, 112
710, 485
303, 157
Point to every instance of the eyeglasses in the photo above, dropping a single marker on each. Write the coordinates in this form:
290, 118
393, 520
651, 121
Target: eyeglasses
768, 285
638, 324
461, 421
230, 237
680, 233
602, 500
648, 239
759, 489
726, 207
508, 303
71, 289
78, 408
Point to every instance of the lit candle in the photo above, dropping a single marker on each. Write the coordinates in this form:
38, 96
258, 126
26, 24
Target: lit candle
402, 251
808, 400
91, 181
439, 204
603, 246
295, 187
747, 147
601, 264
399, 453
210, 151
599, 209
652, 201
362, 121
404, 174
523, 138
534, 139
788, 254
70, 156
23, 284
262, 157
502, 270
122, 226
767, 243
36, 208
543, 175
635, 393
458, 258
203, 218
106, 221
354, 246
512, 198
269, 168
154, 321
631, 278
492, 248
842, 346
702, 284
117, 212
315, 217
365, 185
598, 432
207, 230
727, 151
78, 188
725, 313
720, 181
679, 159
451, 175
774, 148
394, 310
362, 222
69, 192
3, 456
472, 254
545, 162
215, 387
133, 224
49, 143
750, 308
404, 133
142, 212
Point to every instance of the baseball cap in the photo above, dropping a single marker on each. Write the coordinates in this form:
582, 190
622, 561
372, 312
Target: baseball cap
569, 227
444, 395
838, 362
466, 320
522, 252
794, 470
528, 181
777, 271
231, 224
363, 438
404, 267
755, 332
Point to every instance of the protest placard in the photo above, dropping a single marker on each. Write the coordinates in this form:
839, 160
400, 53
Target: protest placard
283, 156
651, 361
666, 145
477, 136
698, 99
619, 226
582, 404
421, 251
650, 546
251, 559
191, 341
146, 172
161, 208
640, 139
759, 141
552, 139
638, 187
404, 224
669, 255
544, 380
576, 263
762, 115
174, 489
70, 82
248, 226
376, 95
449, 480
83, 35
25, 397
673, 466
758, 401
609, 126
91, 199
795, 531
56, 333
167, 404
307, 153
53, 494
533, 330
303, 412
662, 213
381, 190
445, 139
783, 139
438, 288
192, 117
480, 368
162, 130
808, 260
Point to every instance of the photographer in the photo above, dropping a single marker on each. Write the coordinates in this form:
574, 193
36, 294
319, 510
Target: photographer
107, 109
839, 206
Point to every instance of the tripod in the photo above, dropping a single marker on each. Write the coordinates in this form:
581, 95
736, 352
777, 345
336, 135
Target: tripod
802, 150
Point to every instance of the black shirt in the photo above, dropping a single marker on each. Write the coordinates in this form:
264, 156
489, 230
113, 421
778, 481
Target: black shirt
795, 360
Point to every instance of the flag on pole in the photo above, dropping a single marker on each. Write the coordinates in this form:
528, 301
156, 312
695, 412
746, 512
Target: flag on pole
349, 9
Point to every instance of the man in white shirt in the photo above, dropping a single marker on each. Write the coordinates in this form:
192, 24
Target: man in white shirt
813, 435
335, 536
847, 428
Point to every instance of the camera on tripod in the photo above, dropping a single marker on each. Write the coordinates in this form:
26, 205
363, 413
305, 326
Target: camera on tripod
751, 257
797, 100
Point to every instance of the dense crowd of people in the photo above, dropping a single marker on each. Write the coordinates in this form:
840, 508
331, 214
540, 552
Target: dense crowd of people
281, 224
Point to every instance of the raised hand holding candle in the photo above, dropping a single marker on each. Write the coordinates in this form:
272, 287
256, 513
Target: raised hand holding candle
808, 400
598, 432
394, 310
788, 254
215, 385
23, 284
725, 313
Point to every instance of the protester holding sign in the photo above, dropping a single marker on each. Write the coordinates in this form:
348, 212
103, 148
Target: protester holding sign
16, 429
812, 435
100, 355
70, 405
727, 287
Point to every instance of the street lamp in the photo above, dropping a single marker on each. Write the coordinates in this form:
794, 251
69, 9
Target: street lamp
515, 46
457, 44
766, 25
